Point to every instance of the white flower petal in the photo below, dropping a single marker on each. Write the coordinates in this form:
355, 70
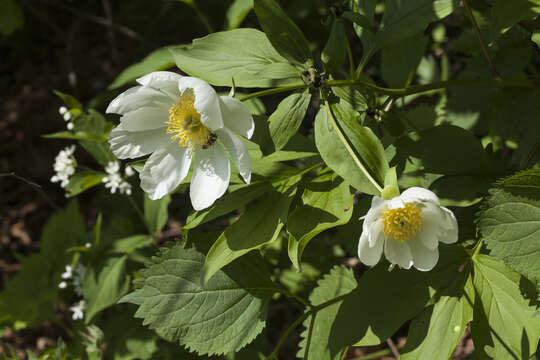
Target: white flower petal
398, 253
395, 203
145, 118
133, 144
165, 81
238, 151
450, 233
236, 116
369, 255
418, 194
424, 259
210, 176
431, 226
206, 101
375, 232
164, 170
138, 97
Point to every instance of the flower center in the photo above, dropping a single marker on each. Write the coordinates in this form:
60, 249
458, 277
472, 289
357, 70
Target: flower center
402, 223
186, 127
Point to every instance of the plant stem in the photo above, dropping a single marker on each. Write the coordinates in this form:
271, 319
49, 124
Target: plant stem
374, 355
203, 18
350, 149
293, 296
351, 60
273, 91
298, 321
483, 45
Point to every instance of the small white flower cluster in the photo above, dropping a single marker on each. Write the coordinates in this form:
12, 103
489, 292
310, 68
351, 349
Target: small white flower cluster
66, 114
77, 277
115, 181
64, 166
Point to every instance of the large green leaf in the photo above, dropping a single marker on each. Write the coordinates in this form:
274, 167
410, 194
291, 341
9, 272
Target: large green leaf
220, 316
217, 59
229, 202
237, 12
159, 59
94, 123
287, 118
339, 281
257, 227
366, 145
104, 284
508, 13
376, 308
327, 202
335, 50
510, 223
404, 19
435, 333
11, 16
156, 213
503, 325
400, 59
283, 33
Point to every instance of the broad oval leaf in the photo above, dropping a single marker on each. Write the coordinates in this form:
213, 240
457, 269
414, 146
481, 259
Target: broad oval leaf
335, 50
366, 145
220, 316
283, 33
217, 59
287, 118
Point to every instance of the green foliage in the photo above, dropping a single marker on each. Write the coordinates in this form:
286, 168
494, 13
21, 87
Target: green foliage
503, 325
287, 118
216, 317
283, 33
237, 12
83, 181
156, 213
217, 59
95, 124
11, 17
333, 54
510, 222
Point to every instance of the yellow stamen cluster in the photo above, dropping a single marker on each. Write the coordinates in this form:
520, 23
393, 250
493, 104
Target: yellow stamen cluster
186, 127
402, 223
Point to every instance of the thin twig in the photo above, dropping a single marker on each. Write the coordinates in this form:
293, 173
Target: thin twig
108, 13
36, 187
393, 348
483, 45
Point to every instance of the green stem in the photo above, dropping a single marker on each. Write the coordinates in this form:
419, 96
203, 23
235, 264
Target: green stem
476, 250
298, 321
483, 45
374, 355
273, 91
293, 296
350, 149
351, 60
202, 17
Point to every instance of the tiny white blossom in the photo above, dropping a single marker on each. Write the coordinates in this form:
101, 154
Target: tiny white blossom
129, 171
68, 274
114, 180
64, 166
408, 228
62, 285
62, 110
70, 126
125, 188
88, 245
180, 120
78, 310
67, 116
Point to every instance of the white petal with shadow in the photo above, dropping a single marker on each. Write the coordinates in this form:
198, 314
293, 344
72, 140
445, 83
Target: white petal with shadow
211, 174
130, 145
138, 97
166, 81
236, 116
398, 253
424, 259
206, 101
145, 118
238, 150
369, 255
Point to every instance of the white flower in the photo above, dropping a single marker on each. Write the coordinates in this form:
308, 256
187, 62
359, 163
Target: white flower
67, 116
129, 171
114, 180
78, 310
64, 165
88, 245
408, 228
68, 274
180, 120
70, 126
62, 110
62, 285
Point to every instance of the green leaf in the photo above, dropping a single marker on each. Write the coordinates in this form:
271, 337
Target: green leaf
220, 316
11, 17
257, 227
80, 135
403, 19
287, 118
283, 33
69, 100
229, 202
335, 50
367, 147
435, 333
128, 244
83, 181
536, 38
237, 13
503, 325
365, 319
359, 19
526, 180
104, 284
159, 59
510, 227
217, 59
94, 123
400, 59
327, 203
156, 213
506, 14
461, 190
339, 281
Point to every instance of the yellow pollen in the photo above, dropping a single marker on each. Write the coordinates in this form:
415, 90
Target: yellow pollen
402, 223
186, 127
